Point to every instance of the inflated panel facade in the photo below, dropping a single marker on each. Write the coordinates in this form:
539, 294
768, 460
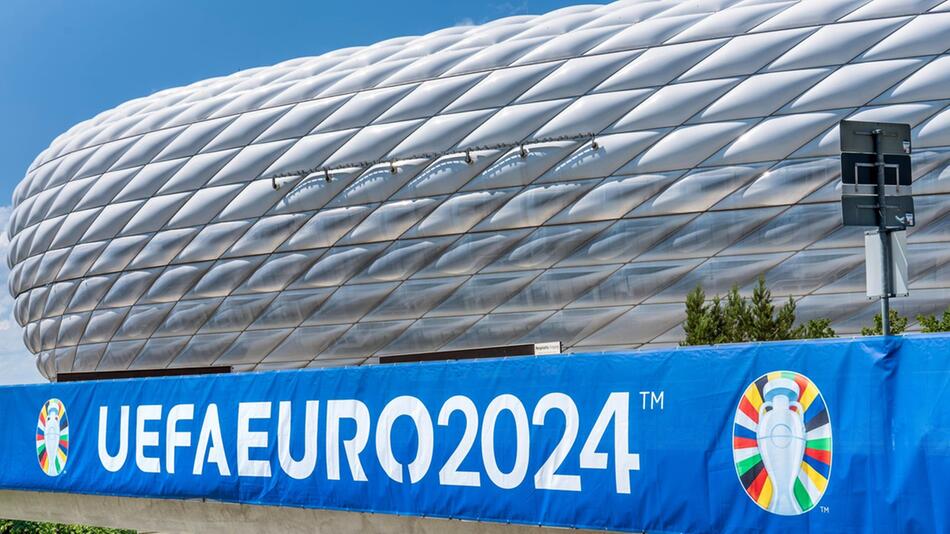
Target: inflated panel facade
565, 177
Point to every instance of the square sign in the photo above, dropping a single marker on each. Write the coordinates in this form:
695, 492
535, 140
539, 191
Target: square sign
861, 142
856, 137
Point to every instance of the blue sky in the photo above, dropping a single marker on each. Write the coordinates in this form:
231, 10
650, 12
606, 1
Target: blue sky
64, 61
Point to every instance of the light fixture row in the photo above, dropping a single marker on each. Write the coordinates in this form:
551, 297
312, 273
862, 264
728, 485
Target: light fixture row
467, 152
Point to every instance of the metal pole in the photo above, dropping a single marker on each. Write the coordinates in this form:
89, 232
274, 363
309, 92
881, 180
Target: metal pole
884, 233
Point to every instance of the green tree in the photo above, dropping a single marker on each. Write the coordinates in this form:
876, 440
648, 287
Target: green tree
696, 325
930, 324
814, 329
737, 319
898, 324
764, 325
12, 526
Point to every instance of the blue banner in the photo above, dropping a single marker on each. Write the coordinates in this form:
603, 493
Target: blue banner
822, 436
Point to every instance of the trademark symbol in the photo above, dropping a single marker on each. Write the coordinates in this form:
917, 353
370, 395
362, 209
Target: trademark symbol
651, 400
824, 509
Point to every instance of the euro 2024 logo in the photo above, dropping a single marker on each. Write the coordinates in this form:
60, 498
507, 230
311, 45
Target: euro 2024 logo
781, 443
52, 437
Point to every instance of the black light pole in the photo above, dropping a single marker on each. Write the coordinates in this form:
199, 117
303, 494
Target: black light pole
883, 231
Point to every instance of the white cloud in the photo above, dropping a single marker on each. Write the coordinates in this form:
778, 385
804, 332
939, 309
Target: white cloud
17, 365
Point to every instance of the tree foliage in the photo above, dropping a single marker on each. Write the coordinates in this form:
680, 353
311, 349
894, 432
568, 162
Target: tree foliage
13, 526
738, 319
898, 324
930, 324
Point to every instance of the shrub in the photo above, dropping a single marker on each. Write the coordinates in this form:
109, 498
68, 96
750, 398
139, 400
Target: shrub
741, 320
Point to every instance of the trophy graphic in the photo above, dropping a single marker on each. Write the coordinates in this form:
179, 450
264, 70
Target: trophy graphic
781, 439
781, 443
52, 437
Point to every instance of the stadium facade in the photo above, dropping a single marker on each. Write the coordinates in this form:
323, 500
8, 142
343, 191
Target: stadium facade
566, 177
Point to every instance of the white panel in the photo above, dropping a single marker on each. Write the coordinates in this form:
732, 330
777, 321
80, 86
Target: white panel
162, 248
687, 146
390, 220
576, 76
613, 198
267, 234
837, 44
630, 14
363, 108
44, 234
783, 184
514, 123
202, 206
213, 240
697, 191
245, 129
147, 181
570, 44
447, 174
100, 194
197, 171
500, 87
935, 132
429, 98
853, 85
517, 168
378, 182
736, 19
326, 227
660, 65
69, 195
338, 265
111, 219
745, 54
885, 8
496, 55
118, 253
612, 152
592, 113
103, 158
253, 200
648, 32
371, 143
309, 152
249, 163
761, 95
440, 133
828, 143
810, 12
459, 213
401, 259
193, 139
427, 67
367, 76
928, 83
147, 147
301, 119
672, 105
924, 35
533, 206
174, 282
307, 88
278, 271
129, 287
775, 138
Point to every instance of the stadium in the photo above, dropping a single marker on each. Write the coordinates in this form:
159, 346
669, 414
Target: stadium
568, 177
